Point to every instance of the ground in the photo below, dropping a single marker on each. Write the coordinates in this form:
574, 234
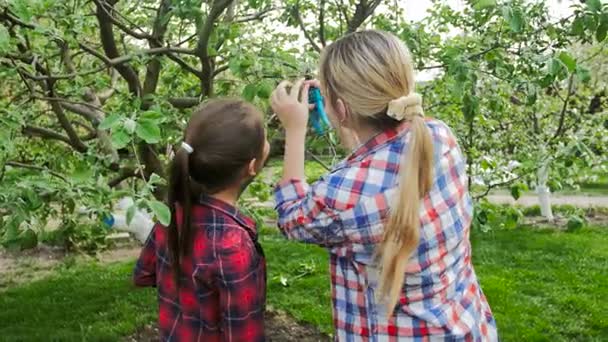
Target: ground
542, 284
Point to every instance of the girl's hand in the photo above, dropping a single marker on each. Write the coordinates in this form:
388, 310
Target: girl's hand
291, 106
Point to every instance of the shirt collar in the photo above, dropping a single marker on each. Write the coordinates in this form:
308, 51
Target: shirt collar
378, 140
229, 210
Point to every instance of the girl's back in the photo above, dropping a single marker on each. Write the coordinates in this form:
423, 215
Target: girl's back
222, 282
207, 265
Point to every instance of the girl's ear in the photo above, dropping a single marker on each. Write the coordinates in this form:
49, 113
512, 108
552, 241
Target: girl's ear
252, 167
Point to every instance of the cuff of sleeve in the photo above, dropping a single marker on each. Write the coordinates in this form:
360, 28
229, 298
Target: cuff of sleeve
290, 190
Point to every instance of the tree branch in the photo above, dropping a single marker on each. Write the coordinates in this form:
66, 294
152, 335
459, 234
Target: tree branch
295, 12
109, 45
184, 102
204, 35
562, 115
124, 174
104, 95
322, 22
6, 15
67, 127
363, 10
34, 131
83, 111
318, 160
496, 185
108, 9
220, 70
255, 16
35, 167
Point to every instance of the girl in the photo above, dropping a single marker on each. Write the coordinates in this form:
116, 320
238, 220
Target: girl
207, 265
396, 214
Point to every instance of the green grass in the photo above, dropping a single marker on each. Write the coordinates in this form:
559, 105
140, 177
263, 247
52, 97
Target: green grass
542, 285
88, 302
546, 285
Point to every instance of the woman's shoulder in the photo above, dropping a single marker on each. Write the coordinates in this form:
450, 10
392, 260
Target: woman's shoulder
441, 132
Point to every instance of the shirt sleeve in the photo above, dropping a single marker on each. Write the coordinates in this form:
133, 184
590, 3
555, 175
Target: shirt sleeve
145, 268
241, 286
306, 213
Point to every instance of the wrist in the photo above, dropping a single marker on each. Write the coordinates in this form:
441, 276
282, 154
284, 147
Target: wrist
295, 132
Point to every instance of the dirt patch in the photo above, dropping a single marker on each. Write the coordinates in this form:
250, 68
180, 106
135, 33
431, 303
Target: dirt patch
561, 223
123, 253
25, 266
279, 328
580, 201
282, 328
21, 267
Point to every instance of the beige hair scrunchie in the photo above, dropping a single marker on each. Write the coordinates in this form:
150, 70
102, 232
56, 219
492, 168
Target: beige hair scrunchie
406, 107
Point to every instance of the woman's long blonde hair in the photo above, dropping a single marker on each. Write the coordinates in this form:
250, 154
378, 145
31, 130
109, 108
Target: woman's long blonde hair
372, 73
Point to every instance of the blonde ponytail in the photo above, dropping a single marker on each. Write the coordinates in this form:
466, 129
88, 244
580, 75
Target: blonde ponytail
372, 73
401, 234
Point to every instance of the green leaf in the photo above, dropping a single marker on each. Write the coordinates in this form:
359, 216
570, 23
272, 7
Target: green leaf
148, 131
568, 61
82, 173
130, 214
578, 26
152, 115
590, 22
594, 5
546, 81
28, 239
110, 121
517, 189
512, 218
575, 223
22, 9
120, 138
515, 192
470, 106
583, 74
129, 125
555, 66
161, 211
531, 94
234, 66
249, 92
481, 4
264, 90
602, 29
4, 39
515, 18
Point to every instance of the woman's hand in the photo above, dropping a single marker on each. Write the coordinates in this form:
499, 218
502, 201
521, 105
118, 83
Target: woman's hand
291, 106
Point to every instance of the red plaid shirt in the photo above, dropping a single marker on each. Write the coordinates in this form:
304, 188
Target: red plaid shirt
222, 291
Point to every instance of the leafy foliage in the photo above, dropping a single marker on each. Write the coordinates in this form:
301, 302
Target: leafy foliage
96, 93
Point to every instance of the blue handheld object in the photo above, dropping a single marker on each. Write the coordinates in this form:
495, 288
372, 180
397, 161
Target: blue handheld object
108, 221
318, 117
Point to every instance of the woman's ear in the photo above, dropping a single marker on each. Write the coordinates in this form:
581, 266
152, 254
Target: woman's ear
341, 111
252, 167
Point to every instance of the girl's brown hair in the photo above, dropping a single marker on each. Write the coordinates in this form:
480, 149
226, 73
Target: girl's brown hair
225, 135
372, 73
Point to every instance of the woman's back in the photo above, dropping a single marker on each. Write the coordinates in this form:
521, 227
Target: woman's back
440, 295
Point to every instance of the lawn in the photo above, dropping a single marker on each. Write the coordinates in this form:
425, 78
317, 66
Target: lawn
542, 285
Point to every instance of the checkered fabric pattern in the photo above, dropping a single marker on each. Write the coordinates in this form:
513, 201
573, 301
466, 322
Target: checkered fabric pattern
222, 291
345, 211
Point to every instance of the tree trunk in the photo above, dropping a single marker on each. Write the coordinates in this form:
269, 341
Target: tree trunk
544, 194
